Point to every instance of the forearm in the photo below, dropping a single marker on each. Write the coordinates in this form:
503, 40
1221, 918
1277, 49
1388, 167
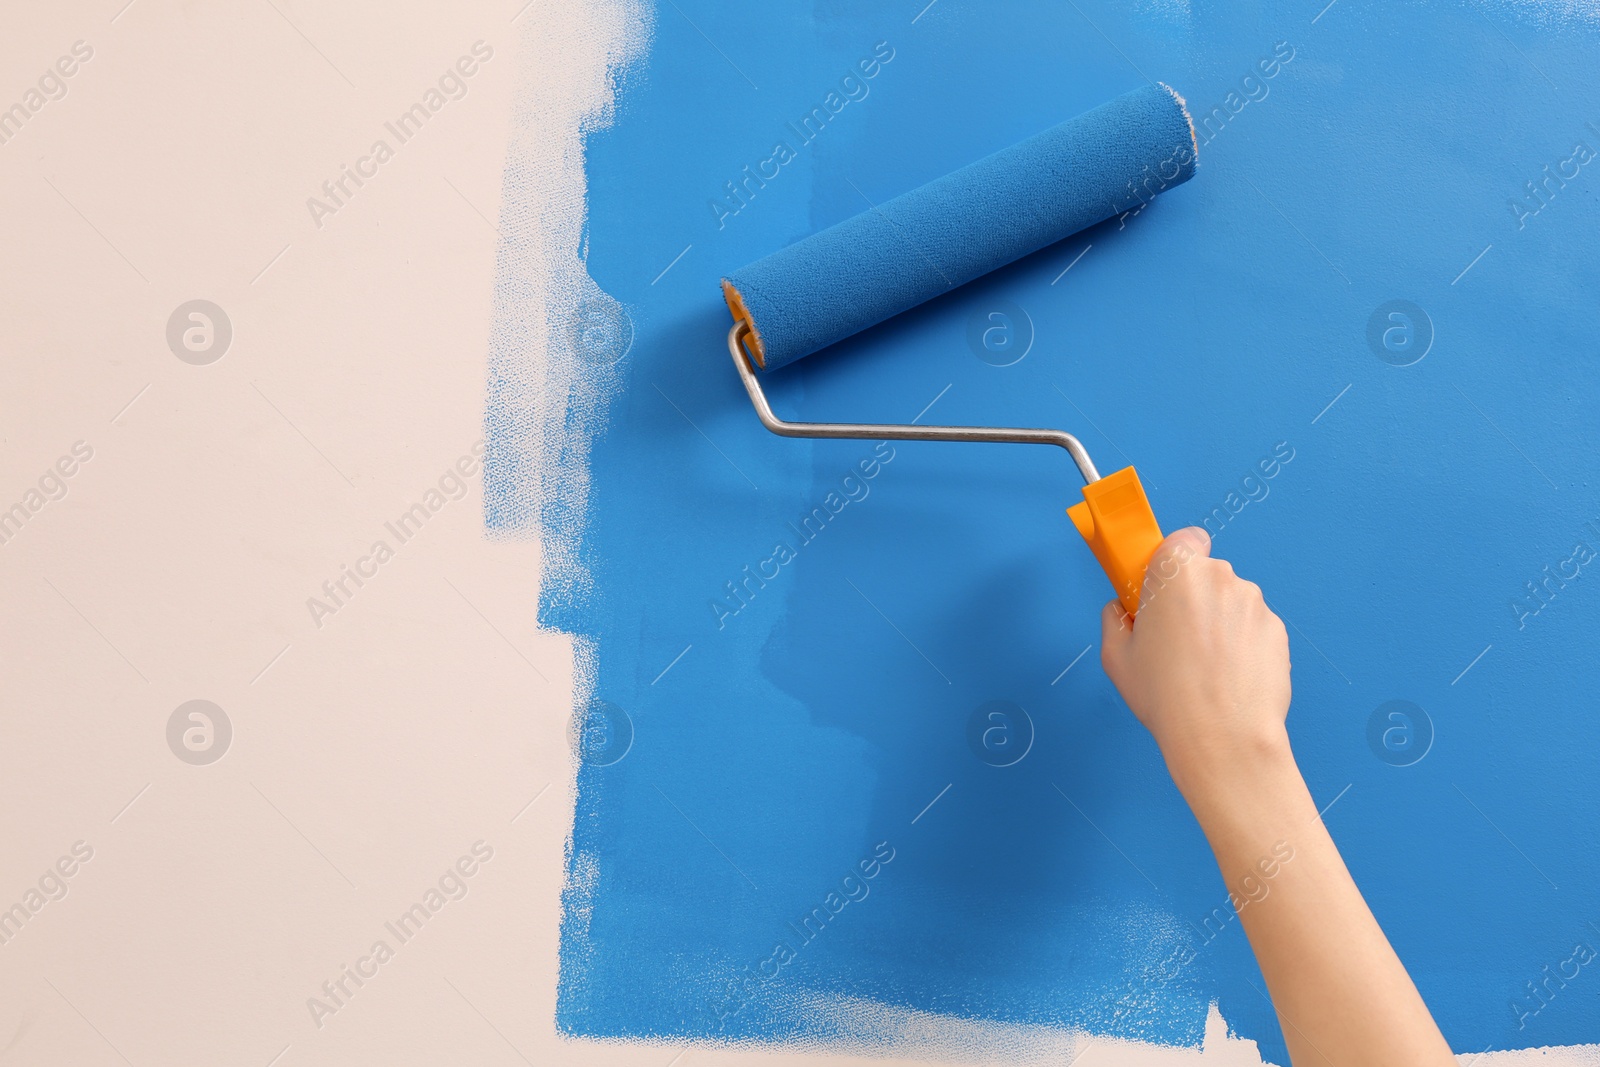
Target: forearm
1342, 996
1206, 668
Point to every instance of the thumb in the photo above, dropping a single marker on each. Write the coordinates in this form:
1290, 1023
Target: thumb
1183, 545
1179, 548
1116, 631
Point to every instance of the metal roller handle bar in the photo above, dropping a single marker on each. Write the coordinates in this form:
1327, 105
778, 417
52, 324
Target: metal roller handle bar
875, 432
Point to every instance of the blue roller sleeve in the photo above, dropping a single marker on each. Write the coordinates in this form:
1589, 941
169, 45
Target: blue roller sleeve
926, 242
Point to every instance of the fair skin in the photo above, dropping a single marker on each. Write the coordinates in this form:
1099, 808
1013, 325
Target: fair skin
1206, 669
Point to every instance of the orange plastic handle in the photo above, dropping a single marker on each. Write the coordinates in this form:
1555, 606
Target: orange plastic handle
1116, 520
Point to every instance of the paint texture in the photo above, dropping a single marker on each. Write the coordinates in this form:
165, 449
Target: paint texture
900, 253
804, 635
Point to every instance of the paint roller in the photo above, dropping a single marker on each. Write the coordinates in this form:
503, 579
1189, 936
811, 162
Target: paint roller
925, 242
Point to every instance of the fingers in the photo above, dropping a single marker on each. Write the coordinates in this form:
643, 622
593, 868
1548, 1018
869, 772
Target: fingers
1115, 633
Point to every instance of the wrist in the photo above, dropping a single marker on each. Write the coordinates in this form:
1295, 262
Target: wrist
1235, 782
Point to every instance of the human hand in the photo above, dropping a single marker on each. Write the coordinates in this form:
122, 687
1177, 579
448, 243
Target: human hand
1205, 666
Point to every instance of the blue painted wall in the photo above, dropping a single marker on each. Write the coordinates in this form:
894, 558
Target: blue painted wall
794, 738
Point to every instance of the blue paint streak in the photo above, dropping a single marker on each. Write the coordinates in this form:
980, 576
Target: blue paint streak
774, 755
